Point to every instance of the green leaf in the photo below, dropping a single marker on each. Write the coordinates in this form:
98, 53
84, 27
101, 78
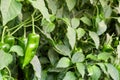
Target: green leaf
118, 51
81, 68
107, 11
104, 56
70, 4
64, 62
40, 5
102, 66
91, 56
36, 67
10, 9
69, 76
80, 33
63, 50
95, 38
94, 72
5, 59
78, 57
52, 6
53, 56
71, 35
17, 49
101, 27
44, 75
75, 22
86, 21
49, 27
0, 76
112, 71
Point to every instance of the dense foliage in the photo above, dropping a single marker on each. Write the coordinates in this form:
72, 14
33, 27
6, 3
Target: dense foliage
60, 40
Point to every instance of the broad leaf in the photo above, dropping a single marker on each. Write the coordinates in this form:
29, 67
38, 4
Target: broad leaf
10, 9
40, 5
86, 21
53, 56
5, 59
102, 66
78, 57
70, 4
81, 68
95, 38
107, 11
71, 35
70, 76
17, 49
63, 50
101, 27
104, 56
112, 71
37, 67
75, 22
64, 62
94, 72
44, 75
80, 33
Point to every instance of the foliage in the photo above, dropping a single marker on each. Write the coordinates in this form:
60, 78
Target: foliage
79, 39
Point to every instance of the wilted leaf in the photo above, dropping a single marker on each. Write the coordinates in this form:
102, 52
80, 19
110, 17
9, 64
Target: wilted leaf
40, 5
36, 66
95, 38
5, 59
69, 76
81, 68
112, 71
17, 49
70, 4
10, 9
94, 72
78, 57
64, 62
71, 35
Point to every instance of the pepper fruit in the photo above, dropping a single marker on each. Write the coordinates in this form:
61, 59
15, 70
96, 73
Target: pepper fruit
32, 45
5, 47
9, 40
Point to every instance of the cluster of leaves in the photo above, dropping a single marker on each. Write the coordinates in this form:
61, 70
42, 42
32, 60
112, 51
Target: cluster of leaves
79, 38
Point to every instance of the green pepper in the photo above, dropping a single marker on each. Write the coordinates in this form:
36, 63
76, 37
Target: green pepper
5, 47
9, 40
32, 45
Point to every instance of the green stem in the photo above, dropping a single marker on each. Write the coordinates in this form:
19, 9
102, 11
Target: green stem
33, 27
16, 29
3, 33
24, 32
8, 71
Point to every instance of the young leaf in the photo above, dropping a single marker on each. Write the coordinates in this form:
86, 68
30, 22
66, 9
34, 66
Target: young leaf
95, 38
112, 71
64, 62
78, 57
80, 33
81, 68
94, 72
70, 4
10, 9
71, 35
101, 27
70, 76
75, 22
37, 67
17, 49
40, 5
63, 50
5, 59
86, 21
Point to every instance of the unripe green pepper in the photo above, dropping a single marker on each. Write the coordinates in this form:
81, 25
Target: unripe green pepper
32, 45
9, 40
5, 47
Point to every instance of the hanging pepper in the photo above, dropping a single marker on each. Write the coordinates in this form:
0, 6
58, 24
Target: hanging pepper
9, 40
32, 45
5, 47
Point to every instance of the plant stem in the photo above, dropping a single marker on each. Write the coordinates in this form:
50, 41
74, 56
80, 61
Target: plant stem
3, 33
